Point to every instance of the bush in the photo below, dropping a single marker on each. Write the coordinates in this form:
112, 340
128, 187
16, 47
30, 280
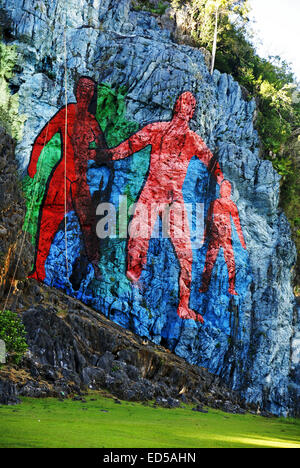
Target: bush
12, 332
275, 89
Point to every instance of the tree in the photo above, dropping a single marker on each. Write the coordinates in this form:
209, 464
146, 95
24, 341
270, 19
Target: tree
10, 117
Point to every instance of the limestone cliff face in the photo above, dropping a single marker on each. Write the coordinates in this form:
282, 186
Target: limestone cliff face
12, 208
250, 340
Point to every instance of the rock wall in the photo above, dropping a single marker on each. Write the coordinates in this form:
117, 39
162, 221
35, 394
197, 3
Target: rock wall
12, 210
73, 349
251, 339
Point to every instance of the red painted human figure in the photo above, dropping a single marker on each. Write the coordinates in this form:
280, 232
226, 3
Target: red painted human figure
82, 130
173, 146
218, 231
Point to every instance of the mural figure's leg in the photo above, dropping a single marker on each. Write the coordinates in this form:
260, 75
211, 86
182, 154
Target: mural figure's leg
52, 214
181, 241
141, 228
86, 213
211, 257
229, 258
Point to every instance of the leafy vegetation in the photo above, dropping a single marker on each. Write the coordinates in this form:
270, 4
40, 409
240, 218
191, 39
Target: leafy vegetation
101, 423
222, 27
12, 332
208, 19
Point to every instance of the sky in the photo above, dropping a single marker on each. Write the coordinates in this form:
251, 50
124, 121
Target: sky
278, 32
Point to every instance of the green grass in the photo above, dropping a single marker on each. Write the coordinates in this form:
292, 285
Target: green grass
52, 423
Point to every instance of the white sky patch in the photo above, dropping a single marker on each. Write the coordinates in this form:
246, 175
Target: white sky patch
278, 30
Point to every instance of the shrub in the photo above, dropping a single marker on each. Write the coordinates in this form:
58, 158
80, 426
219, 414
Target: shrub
10, 117
12, 332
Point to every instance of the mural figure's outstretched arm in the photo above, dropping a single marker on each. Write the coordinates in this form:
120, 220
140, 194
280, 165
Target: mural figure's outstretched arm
135, 143
48, 132
235, 216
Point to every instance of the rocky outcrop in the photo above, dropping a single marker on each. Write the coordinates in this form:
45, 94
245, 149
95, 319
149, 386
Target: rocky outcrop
250, 340
73, 349
12, 211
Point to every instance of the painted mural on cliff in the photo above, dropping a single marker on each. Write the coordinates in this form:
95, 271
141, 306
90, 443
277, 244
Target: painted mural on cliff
141, 274
67, 188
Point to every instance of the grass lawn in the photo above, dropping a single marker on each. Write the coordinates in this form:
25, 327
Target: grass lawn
100, 422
